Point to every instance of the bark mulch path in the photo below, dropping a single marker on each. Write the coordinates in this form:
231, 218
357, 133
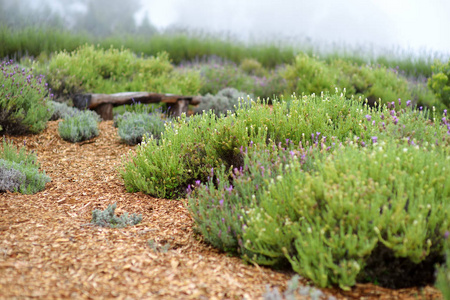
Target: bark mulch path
48, 250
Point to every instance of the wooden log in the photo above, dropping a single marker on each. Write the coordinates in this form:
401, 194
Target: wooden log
105, 111
103, 103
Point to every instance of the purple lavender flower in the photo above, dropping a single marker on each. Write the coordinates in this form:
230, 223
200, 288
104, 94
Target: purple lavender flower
189, 190
368, 117
393, 104
382, 117
197, 183
363, 144
221, 205
445, 112
399, 101
408, 103
374, 139
392, 112
420, 108
395, 120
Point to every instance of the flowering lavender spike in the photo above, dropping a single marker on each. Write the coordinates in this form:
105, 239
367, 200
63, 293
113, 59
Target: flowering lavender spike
374, 139
368, 117
408, 103
399, 101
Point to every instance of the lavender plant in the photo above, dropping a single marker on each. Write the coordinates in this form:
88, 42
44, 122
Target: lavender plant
133, 127
24, 100
225, 101
20, 170
62, 111
80, 127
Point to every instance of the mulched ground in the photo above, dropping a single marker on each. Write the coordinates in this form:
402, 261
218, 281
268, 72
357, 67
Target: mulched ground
48, 250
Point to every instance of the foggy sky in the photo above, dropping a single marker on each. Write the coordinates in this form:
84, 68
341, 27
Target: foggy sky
417, 25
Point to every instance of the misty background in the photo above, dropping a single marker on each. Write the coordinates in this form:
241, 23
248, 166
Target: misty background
416, 26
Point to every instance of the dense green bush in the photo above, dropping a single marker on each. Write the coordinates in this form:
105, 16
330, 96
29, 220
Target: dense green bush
440, 81
309, 75
262, 83
107, 218
133, 126
92, 69
226, 100
443, 275
24, 101
80, 127
19, 170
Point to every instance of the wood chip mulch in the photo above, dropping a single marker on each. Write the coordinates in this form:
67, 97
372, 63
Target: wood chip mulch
48, 249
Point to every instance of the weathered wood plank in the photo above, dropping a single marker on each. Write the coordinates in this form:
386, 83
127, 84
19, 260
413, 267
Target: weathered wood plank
103, 103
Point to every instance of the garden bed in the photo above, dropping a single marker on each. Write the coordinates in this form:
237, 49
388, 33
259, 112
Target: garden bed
49, 249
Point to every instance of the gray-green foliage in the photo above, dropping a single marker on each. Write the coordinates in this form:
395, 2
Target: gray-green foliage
295, 291
225, 100
25, 178
107, 218
133, 126
62, 111
10, 178
80, 127
19, 170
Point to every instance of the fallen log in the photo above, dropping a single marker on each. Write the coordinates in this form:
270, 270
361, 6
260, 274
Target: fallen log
103, 103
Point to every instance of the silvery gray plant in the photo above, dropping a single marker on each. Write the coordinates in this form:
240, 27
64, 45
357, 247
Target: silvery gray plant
106, 218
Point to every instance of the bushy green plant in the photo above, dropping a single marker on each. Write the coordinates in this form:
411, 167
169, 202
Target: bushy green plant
217, 76
309, 75
188, 150
24, 101
440, 81
19, 171
133, 127
253, 67
107, 218
92, 69
80, 127
134, 108
443, 272
226, 100
62, 111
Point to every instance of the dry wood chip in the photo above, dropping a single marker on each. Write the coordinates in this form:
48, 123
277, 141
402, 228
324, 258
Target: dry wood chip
47, 251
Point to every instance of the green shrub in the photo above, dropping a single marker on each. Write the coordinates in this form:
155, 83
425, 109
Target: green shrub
226, 100
133, 127
80, 127
309, 75
252, 67
19, 171
92, 69
309, 131
106, 218
218, 76
440, 81
443, 275
329, 223
188, 150
62, 111
24, 102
